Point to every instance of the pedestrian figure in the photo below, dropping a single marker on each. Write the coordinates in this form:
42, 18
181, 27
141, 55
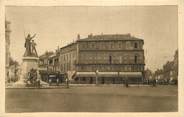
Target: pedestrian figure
148, 81
154, 82
67, 81
57, 81
50, 81
38, 83
126, 82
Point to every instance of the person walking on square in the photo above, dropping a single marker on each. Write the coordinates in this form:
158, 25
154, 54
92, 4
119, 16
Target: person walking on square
57, 81
57, 78
50, 81
38, 82
126, 82
67, 80
154, 82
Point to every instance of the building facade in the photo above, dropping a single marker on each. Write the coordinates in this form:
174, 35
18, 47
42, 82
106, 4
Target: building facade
175, 66
53, 63
169, 72
110, 58
44, 60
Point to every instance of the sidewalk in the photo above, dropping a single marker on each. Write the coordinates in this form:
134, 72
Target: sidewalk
75, 85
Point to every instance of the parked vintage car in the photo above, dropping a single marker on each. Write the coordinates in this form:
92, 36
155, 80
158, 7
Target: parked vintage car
173, 82
53, 78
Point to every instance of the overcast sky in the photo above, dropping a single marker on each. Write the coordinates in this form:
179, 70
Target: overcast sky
58, 26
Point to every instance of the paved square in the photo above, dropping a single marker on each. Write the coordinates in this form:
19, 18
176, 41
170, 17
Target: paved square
94, 99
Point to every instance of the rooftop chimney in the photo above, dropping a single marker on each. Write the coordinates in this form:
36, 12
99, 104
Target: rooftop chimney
90, 36
78, 36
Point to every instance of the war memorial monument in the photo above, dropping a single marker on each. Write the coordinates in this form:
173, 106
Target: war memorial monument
29, 67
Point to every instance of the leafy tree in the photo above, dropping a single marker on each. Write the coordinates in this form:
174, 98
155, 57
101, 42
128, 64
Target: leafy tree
148, 73
13, 62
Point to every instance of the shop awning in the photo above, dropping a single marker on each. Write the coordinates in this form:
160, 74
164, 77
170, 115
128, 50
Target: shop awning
85, 74
130, 74
107, 74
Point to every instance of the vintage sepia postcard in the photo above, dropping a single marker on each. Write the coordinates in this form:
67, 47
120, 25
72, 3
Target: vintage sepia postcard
109, 58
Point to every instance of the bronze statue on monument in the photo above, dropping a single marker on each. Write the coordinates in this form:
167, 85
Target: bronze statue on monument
30, 46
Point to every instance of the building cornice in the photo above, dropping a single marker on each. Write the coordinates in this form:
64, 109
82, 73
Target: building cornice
110, 50
106, 64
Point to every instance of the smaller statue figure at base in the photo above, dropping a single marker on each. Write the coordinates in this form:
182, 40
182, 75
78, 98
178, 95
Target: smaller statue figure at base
33, 79
33, 48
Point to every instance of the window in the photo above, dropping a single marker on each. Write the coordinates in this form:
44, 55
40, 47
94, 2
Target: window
83, 79
125, 68
135, 59
97, 45
111, 45
128, 45
135, 45
129, 68
56, 61
84, 45
110, 59
82, 67
93, 45
119, 45
50, 61
120, 59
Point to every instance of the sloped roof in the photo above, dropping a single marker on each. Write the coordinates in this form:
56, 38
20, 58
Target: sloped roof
46, 55
109, 37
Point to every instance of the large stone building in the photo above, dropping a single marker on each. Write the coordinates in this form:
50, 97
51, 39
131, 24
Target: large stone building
104, 59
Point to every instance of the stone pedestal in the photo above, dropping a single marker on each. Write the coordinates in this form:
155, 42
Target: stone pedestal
28, 63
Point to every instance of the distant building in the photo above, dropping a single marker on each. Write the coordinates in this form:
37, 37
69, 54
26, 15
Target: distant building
158, 75
7, 40
44, 60
53, 64
169, 72
148, 74
104, 59
171, 69
175, 66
